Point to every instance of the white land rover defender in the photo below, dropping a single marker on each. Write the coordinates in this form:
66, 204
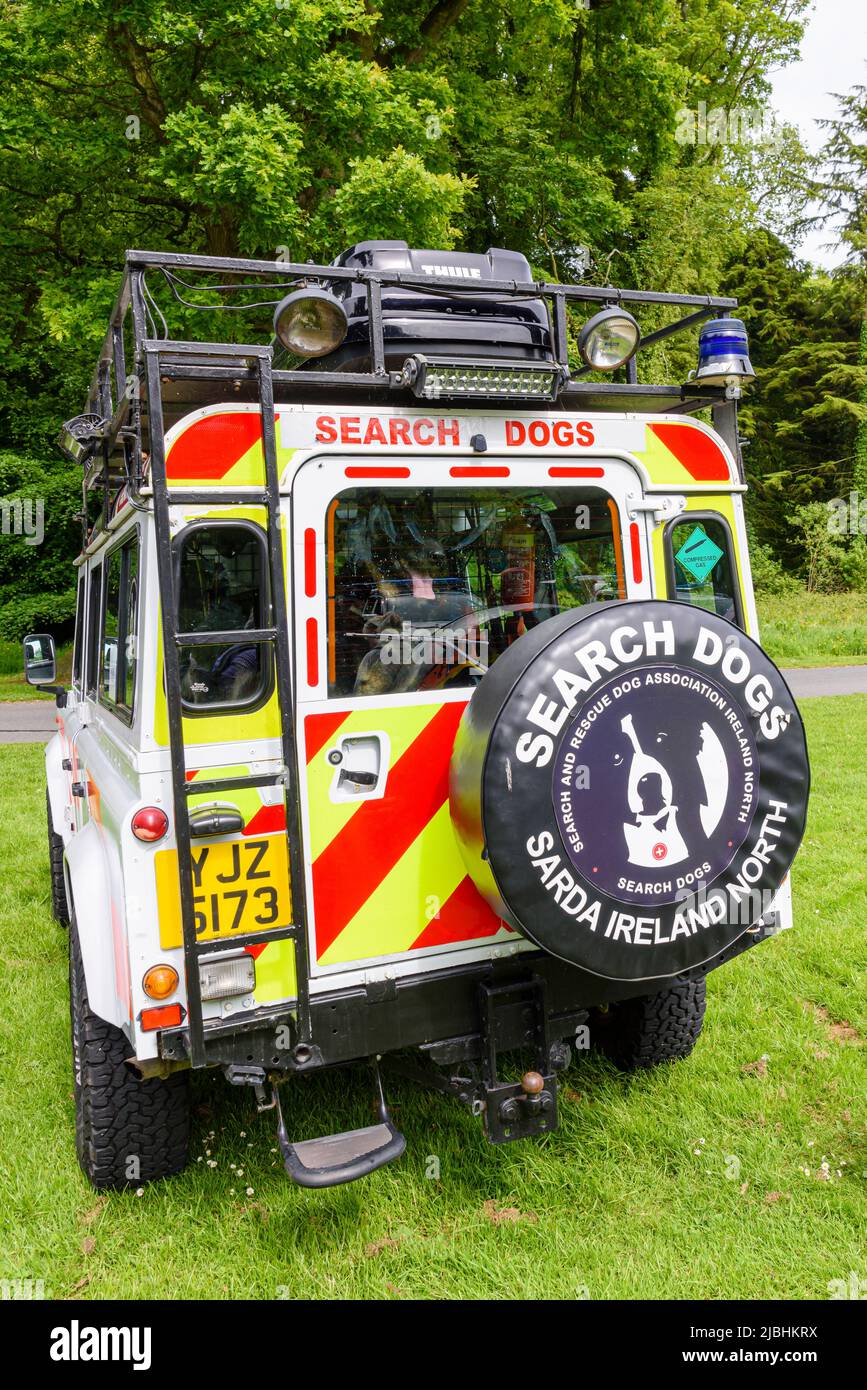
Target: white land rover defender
417, 715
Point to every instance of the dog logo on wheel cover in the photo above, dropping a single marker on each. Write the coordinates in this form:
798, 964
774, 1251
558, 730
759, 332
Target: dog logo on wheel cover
671, 770
649, 795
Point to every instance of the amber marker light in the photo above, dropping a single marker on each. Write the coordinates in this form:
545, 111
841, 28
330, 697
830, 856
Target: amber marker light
160, 981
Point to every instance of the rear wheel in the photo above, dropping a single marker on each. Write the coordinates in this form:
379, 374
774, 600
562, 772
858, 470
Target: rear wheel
663, 1027
59, 905
127, 1132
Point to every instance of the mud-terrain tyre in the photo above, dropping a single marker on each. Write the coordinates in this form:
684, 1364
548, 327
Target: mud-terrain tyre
117, 1117
59, 905
640, 1033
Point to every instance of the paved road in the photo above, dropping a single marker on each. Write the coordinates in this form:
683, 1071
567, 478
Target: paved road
32, 721
827, 680
26, 721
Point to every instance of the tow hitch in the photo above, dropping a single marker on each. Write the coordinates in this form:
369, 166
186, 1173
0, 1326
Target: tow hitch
520, 1109
511, 1016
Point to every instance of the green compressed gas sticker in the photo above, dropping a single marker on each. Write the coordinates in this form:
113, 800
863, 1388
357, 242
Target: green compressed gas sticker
698, 555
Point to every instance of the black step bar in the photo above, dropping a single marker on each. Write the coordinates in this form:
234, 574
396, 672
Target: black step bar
340, 1158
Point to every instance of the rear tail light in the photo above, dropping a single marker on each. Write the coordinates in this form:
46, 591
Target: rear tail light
150, 823
220, 978
165, 1016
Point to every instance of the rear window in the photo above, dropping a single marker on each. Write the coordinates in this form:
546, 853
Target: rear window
222, 588
94, 597
78, 644
426, 589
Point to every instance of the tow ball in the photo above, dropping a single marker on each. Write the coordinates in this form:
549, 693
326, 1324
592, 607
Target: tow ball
520, 1110
535, 1101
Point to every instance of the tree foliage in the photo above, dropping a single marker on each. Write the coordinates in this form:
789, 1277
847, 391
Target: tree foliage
244, 126
294, 127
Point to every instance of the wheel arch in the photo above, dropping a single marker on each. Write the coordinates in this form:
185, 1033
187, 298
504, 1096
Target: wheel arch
55, 779
97, 917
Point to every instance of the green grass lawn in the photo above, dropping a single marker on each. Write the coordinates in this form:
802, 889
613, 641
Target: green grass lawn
700, 1180
814, 629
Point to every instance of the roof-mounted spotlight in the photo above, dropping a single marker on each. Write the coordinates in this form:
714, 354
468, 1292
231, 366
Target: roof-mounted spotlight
310, 322
723, 354
80, 437
609, 339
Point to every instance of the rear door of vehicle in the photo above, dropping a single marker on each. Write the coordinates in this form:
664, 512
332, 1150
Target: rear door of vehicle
410, 575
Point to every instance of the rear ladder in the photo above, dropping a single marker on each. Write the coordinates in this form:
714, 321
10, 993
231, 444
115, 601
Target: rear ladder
164, 360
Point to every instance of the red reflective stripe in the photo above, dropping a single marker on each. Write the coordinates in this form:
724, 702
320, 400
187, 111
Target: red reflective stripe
213, 445
256, 951
310, 562
380, 832
576, 472
635, 547
699, 453
318, 729
490, 472
465, 916
267, 821
312, 652
376, 472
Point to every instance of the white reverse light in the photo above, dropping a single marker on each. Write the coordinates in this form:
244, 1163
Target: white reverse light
222, 976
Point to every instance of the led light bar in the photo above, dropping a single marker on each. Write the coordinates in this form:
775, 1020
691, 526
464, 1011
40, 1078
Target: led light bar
432, 377
221, 976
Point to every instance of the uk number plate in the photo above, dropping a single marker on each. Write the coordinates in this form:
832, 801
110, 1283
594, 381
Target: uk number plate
239, 887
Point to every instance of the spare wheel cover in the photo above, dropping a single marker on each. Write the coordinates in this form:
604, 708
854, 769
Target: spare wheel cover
629, 786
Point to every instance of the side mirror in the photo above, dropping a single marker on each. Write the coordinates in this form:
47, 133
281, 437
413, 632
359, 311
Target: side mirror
40, 660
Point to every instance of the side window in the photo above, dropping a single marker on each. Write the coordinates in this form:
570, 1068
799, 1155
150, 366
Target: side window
93, 629
78, 643
110, 670
222, 588
701, 565
118, 645
130, 641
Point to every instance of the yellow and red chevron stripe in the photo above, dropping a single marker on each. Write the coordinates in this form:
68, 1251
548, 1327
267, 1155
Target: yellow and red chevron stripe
388, 876
681, 452
222, 449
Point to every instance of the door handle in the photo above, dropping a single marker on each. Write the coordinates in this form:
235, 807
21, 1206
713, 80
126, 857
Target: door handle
360, 762
362, 780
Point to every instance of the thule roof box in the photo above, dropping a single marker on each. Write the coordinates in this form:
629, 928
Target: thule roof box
433, 322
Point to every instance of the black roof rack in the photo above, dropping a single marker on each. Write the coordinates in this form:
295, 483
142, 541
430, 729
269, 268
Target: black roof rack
197, 373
